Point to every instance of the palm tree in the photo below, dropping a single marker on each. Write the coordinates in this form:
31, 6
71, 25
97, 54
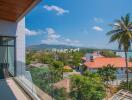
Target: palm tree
122, 34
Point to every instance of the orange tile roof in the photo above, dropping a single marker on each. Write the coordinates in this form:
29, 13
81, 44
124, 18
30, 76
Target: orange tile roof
67, 67
84, 58
99, 62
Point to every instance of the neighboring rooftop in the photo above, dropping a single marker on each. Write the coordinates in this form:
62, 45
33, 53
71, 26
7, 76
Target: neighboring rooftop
122, 95
67, 67
99, 62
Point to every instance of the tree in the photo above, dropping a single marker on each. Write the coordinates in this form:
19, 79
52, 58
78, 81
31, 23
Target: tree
107, 73
76, 59
122, 34
86, 88
108, 53
56, 69
123, 85
60, 94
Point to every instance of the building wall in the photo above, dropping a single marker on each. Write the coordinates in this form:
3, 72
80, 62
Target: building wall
20, 45
16, 29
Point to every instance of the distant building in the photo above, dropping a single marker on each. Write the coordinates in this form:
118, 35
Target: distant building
99, 62
122, 54
67, 67
90, 56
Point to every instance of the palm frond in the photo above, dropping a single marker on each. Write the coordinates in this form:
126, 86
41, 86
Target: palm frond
122, 32
127, 19
115, 37
114, 31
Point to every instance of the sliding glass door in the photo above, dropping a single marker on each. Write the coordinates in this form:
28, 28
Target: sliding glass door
7, 54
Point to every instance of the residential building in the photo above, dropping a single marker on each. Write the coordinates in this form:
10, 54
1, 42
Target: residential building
118, 62
12, 51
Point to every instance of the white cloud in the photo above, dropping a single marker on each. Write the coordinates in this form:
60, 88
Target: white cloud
97, 28
32, 32
98, 20
54, 38
58, 10
52, 35
50, 30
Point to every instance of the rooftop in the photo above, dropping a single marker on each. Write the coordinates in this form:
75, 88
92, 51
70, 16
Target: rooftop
99, 62
67, 67
122, 95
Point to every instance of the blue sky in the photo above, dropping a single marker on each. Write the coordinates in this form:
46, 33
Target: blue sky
74, 22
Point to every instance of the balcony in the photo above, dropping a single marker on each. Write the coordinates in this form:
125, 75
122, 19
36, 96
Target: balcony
9, 90
13, 89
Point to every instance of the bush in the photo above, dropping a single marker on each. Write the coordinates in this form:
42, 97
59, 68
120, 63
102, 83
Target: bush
123, 85
60, 94
108, 53
67, 70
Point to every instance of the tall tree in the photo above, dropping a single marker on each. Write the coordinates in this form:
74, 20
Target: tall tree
86, 88
122, 34
108, 73
56, 69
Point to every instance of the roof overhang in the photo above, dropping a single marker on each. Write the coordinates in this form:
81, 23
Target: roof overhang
15, 10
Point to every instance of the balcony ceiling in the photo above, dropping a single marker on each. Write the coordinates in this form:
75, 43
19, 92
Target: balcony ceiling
14, 10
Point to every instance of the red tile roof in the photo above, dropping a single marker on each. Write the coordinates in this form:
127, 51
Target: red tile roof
67, 67
99, 62
84, 58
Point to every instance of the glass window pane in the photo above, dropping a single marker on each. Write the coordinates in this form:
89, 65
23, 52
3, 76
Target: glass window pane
11, 64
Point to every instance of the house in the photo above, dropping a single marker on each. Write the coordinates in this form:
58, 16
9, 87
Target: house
88, 56
67, 67
99, 62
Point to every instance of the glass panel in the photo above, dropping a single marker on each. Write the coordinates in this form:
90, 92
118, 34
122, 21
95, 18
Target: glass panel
7, 46
3, 60
11, 41
7, 41
11, 59
3, 54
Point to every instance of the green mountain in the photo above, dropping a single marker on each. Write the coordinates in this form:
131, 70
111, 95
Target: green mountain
48, 46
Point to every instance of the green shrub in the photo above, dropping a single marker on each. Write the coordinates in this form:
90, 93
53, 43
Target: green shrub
123, 85
67, 70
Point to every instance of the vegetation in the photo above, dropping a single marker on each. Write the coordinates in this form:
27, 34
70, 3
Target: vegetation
122, 34
123, 85
107, 73
41, 77
72, 58
108, 53
60, 94
86, 88
67, 70
56, 71
44, 80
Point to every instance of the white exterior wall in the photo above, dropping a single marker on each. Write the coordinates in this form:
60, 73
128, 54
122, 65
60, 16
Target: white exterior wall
20, 47
18, 30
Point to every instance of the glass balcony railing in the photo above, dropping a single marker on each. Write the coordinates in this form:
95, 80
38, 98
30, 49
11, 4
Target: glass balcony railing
24, 79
